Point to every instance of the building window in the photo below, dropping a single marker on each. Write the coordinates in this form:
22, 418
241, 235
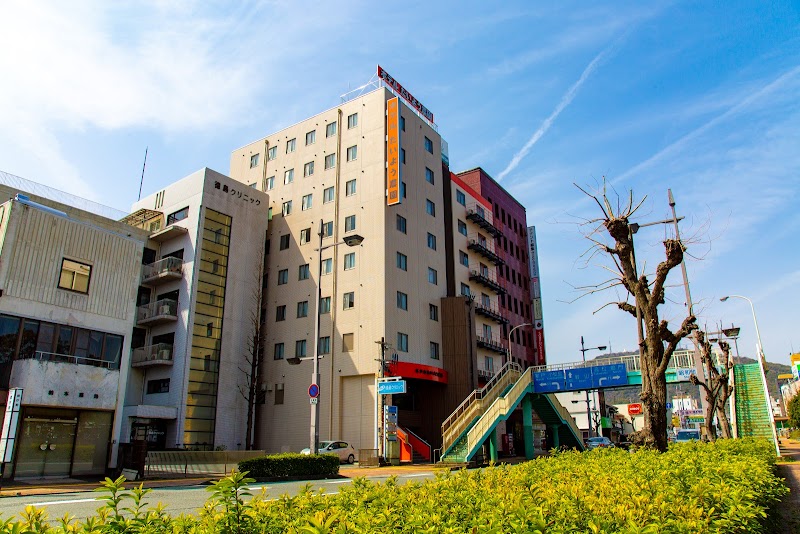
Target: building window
461, 198
349, 261
403, 189
176, 216
325, 345
434, 351
349, 223
280, 313
402, 261
75, 276
290, 145
433, 276
330, 129
284, 244
278, 353
270, 185
486, 300
464, 289
352, 121
428, 175
283, 277
304, 272
330, 161
430, 208
286, 209
327, 229
402, 342
402, 155
349, 300
305, 203
302, 309
487, 331
428, 145
278, 394
352, 153
288, 177
272, 153
348, 342
433, 312
463, 259
254, 161
300, 348
327, 266
324, 305
431, 241
311, 137
158, 386
402, 123
327, 195
350, 188
401, 224
462, 227
308, 169
305, 236
402, 301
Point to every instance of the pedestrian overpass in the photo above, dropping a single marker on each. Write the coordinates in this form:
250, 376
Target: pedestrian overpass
475, 421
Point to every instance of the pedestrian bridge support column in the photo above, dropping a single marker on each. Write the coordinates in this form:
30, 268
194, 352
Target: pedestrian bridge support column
493, 446
554, 430
527, 426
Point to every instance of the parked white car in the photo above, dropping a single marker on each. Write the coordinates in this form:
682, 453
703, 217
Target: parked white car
342, 449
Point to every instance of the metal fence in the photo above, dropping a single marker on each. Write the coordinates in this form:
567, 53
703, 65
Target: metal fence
194, 463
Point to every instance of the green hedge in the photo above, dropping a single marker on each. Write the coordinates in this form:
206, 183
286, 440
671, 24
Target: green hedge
721, 487
291, 464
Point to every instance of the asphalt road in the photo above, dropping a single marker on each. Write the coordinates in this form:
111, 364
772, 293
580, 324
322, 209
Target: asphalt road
177, 500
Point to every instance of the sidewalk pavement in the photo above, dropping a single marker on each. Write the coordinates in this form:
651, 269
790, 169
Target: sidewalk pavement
788, 511
52, 487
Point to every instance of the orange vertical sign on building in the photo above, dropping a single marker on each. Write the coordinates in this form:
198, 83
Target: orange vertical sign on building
392, 151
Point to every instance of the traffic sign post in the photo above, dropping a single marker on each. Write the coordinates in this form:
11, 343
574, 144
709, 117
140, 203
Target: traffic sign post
313, 391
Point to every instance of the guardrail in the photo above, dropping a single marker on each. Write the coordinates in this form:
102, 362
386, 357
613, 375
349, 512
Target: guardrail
190, 463
683, 359
69, 358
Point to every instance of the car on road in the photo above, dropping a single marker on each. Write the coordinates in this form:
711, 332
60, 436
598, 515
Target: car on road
342, 449
687, 435
598, 442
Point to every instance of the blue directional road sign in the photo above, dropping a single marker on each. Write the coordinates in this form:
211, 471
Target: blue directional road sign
392, 387
548, 381
579, 378
604, 376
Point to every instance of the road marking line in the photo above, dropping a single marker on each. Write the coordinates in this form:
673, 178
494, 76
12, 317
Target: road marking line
338, 482
50, 503
417, 475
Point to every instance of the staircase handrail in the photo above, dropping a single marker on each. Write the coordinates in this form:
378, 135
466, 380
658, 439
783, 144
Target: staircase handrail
566, 417
418, 438
473, 405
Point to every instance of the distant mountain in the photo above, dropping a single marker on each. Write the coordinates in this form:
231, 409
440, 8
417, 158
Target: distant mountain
630, 394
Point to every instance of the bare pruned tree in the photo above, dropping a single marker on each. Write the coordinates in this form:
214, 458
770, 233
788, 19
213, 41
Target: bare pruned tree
659, 341
252, 365
716, 387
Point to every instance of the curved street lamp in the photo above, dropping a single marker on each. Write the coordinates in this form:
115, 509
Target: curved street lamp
761, 359
584, 350
508, 351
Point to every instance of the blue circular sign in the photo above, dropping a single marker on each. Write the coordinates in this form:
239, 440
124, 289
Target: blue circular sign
313, 391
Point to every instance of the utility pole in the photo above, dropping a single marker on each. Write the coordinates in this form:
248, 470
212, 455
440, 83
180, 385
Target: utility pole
379, 398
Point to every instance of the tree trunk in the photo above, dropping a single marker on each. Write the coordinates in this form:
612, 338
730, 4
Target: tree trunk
654, 403
711, 430
724, 423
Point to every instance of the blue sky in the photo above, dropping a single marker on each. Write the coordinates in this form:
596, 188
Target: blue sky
700, 98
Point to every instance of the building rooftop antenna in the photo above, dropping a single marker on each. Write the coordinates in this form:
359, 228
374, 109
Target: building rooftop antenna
141, 182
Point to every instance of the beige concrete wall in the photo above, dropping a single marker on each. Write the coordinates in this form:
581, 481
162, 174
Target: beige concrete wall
72, 386
375, 279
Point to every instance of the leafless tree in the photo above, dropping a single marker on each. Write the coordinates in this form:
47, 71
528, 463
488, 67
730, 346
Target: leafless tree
658, 340
716, 387
252, 365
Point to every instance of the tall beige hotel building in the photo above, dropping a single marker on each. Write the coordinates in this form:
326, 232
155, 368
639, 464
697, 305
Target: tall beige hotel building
430, 277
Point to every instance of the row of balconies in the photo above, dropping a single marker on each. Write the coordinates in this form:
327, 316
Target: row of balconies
482, 217
484, 248
161, 271
494, 343
486, 279
490, 312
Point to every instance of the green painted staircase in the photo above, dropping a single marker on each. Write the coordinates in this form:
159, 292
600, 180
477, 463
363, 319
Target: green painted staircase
752, 418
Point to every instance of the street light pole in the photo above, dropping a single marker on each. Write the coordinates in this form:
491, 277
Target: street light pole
351, 241
761, 359
584, 350
508, 351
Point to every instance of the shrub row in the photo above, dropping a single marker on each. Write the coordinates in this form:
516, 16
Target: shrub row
693, 488
290, 464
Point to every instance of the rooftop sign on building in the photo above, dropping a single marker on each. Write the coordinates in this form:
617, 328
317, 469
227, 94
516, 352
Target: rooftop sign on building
400, 91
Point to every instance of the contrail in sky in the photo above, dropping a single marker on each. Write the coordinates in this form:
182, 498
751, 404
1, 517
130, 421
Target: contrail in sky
566, 100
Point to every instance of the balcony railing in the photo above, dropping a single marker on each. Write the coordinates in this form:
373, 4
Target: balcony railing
493, 343
486, 279
158, 354
162, 271
483, 218
161, 311
69, 358
485, 248
490, 312
485, 374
